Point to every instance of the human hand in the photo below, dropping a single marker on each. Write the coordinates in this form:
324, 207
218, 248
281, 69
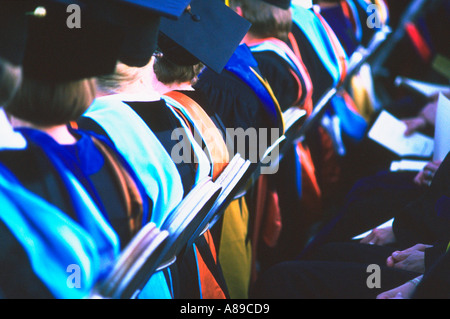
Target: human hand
426, 117
379, 236
411, 259
414, 124
425, 176
404, 291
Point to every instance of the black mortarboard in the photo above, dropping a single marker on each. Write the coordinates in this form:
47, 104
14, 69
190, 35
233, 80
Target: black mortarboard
57, 53
13, 29
208, 30
168, 8
283, 4
174, 52
140, 21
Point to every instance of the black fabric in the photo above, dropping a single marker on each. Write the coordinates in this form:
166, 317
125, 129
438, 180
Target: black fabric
17, 279
372, 201
231, 100
162, 122
56, 53
233, 105
325, 280
436, 281
320, 77
13, 29
277, 72
421, 221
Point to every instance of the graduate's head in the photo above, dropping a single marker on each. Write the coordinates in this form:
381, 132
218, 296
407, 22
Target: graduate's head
125, 78
268, 18
175, 65
45, 105
207, 32
59, 65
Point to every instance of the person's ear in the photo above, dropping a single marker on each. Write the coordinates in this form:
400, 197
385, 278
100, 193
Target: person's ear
239, 11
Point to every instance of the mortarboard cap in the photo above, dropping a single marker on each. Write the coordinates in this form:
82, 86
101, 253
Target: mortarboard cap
139, 20
167, 8
209, 30
174, 52
283, 4
55, 52
13, 29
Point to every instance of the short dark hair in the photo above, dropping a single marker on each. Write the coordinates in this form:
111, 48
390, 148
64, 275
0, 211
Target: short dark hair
168, 72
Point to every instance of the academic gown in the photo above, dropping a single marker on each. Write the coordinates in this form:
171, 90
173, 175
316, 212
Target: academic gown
17, 279
230, 232
278, 74
32, 168
341, 21
162, 121
242, 101
295, 182
237, 99
45, 169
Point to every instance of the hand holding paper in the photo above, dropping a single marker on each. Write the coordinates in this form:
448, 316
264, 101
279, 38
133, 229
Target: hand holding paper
390, 132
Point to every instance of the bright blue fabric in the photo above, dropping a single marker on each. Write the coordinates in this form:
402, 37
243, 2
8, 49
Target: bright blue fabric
53, 241
239, 64
141, 148
343, 28
312, 27
90, 216
351, 123
154, 166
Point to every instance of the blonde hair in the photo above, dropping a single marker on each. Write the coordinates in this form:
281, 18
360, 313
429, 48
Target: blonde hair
123, 77
267, 20
47, 104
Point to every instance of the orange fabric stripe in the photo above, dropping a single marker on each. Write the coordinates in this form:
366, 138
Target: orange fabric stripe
348, 13
212, 136
210, 288
131, 195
